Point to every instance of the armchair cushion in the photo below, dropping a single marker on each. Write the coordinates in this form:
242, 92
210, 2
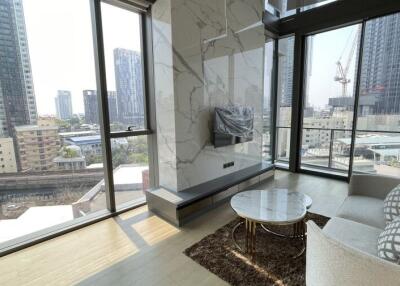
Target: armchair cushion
391, 203
389, 242
366, 210
332, 263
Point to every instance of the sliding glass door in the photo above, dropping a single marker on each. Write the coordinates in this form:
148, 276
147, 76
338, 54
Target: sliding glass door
328, 101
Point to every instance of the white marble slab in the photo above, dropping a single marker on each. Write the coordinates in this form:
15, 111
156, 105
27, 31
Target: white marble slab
278, 206
207, 53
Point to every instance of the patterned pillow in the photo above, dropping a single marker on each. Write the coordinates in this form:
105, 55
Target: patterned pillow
389, 242
391, 207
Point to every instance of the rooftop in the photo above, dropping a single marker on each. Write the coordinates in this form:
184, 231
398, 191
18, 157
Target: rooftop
373, 140
85, 139
34, 128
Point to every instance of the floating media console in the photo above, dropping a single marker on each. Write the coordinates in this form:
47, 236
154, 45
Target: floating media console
181, 207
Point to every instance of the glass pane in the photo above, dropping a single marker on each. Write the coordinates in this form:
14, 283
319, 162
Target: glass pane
378, 123
285, 81
330, 75
341, 150
268, 78
285, 94
131, 168
315, 147
50, 160
283, 148
123, 55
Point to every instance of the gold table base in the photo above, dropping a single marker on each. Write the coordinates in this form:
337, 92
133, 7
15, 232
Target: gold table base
299, 232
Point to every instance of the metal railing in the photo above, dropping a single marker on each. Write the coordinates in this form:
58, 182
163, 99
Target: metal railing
330, 144
343, 158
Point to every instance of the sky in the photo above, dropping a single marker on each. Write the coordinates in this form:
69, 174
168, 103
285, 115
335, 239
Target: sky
326, 50
62, 58
61, 47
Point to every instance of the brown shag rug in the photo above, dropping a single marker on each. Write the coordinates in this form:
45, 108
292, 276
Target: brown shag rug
273, 264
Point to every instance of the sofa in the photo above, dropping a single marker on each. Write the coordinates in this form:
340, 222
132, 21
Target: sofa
345, 251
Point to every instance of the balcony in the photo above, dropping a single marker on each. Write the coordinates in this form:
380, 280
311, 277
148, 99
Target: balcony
328, 150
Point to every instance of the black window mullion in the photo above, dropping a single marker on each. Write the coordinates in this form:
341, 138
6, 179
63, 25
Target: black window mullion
102, 99
356, 100
121, 134
274, 101
149, 91
297, 102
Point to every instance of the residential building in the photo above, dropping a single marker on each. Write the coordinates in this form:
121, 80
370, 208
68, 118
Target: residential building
89, 145
17, 96
47, 121
129, 84
380, 71
37, 146
8, 162
91, 106
70, 158
112, 106
63, 102
285, 78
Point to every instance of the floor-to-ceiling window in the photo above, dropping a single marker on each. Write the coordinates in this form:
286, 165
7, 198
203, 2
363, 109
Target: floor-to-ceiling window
328, 99
56, 57
377, 142
50, 152
284, 99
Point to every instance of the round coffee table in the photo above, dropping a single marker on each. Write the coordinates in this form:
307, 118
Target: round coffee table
274, 207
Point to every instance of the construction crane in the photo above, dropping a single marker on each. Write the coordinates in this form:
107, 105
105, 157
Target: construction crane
342, 71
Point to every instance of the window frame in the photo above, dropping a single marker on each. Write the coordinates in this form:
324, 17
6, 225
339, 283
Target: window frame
112, 209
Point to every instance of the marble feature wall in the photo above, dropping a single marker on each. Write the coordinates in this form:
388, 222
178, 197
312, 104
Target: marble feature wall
207, 53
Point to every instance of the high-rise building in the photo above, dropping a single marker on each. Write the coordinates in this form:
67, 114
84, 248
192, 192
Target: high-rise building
113, 106
129, 83
380, 65
285, 78
91, 106
17, 97
64, 104
37, 146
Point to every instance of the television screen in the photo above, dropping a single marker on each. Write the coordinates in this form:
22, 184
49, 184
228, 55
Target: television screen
233, 125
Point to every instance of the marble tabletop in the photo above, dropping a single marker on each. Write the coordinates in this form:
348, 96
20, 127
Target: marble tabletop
277, 206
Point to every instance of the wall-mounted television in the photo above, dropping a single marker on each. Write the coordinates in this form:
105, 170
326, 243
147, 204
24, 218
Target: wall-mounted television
232, 125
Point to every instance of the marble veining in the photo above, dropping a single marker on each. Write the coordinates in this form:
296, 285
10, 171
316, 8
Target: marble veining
278, 206
208, 53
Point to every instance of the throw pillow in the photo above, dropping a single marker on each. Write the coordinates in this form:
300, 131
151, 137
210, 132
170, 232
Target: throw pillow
391, 207
389, 242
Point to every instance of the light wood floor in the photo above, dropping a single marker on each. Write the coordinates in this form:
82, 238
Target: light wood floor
138, 248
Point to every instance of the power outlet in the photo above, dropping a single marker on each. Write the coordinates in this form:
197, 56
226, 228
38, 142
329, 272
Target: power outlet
229, 164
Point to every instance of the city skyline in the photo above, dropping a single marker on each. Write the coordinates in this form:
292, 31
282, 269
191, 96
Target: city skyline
67, 62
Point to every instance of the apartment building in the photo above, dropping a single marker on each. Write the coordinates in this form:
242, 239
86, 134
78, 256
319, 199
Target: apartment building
37, 146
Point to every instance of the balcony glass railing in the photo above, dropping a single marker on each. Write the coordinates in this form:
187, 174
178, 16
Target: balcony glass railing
282, 144
328, 150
